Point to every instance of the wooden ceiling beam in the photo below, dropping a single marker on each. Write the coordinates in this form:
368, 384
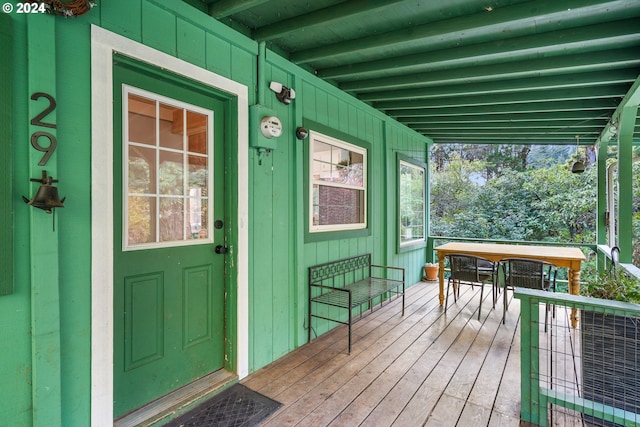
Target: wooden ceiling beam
559, 130
522, 19
513, 139
543, 96
580, 80
510, 126
322, 17
568, 116
607, 60
600, 105
609, 35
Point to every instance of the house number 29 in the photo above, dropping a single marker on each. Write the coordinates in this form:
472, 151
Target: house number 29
37, 121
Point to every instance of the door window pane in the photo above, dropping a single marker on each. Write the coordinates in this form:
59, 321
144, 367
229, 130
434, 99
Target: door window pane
141, 165
171, 177
141, 229
142, 120
197, 132
171, 127
172, 225
198, 223
167, 178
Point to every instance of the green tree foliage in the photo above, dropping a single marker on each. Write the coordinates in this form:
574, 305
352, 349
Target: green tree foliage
636, 210
504, 196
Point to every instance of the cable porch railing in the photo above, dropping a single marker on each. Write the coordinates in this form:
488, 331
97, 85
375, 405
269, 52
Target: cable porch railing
583, 376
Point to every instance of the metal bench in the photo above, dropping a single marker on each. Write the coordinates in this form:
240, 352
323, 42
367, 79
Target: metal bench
350, 283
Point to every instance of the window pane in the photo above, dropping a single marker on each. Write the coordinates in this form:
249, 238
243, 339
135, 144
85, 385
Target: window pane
337, 205
322, 151
171, 173
340, 156
141, 120
321, 171
353, 175
171, 127
141, 219
142, 163
412, 202
171, 219
356, 158
197, 131
197, 172
198, 217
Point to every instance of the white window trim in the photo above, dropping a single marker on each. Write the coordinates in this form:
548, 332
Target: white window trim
316, 136
424, 202
611, 204
126, 90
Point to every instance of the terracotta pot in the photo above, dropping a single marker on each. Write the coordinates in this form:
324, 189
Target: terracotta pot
431, 272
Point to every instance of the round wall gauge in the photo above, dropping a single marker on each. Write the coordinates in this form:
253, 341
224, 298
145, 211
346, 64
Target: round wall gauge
271, 127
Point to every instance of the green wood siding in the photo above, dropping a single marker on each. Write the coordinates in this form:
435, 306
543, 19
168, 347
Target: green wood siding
15, 312
278, 254
6, 143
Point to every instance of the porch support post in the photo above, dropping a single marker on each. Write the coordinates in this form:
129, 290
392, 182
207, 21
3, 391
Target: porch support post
601, 221
44, 253
625, 118
625, 182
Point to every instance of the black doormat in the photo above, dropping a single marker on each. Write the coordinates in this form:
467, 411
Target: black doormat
237, 406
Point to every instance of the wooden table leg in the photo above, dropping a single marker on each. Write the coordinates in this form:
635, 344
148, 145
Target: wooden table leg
574, 289
441, 277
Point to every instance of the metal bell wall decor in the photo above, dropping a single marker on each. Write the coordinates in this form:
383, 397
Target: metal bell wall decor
47, 197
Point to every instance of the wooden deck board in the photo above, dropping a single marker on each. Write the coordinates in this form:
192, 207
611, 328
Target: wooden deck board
425, 368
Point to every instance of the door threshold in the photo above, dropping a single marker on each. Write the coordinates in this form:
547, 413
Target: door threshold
177, 401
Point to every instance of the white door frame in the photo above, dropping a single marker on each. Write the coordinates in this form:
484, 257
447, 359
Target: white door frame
103, 45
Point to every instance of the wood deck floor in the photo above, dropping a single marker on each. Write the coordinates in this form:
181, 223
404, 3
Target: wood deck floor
425, 368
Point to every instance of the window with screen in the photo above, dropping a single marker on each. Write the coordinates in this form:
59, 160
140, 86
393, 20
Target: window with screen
338, 185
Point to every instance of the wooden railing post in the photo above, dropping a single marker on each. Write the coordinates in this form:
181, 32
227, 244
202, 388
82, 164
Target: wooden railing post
533, 407
430, 256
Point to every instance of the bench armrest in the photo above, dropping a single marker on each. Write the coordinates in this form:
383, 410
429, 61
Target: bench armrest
388, 267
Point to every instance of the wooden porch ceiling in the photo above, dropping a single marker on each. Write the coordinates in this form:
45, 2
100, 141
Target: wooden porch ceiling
471, 71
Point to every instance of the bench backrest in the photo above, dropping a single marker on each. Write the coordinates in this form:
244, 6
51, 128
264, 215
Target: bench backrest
341, 272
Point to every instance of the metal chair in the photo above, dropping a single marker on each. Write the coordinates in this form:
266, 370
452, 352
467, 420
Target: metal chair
470, 270
528, 273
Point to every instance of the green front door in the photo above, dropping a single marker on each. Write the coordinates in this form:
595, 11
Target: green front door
168, 221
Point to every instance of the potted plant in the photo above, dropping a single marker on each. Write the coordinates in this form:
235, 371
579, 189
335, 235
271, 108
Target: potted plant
431, 271
611, 343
